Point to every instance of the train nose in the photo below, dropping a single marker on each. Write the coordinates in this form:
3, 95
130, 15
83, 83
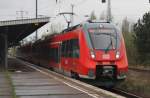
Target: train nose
105, 71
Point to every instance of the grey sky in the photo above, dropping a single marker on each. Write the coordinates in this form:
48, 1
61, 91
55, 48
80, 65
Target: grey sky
132, 9
8, 8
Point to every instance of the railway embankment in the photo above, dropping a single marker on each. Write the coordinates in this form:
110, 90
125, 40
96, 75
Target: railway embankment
137, 82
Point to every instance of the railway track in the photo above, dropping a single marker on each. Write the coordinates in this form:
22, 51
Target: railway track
124, 93
120, 92
140, 70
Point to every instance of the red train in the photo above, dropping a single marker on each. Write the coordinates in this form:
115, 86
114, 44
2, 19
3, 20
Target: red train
91, 50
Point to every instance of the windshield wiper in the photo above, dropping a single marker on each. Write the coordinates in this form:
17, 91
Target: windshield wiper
109, 45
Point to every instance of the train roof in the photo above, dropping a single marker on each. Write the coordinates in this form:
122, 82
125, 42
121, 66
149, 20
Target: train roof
84, 24
71, 28
90, 23
93, 24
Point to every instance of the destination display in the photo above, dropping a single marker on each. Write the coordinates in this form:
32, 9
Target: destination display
99, 30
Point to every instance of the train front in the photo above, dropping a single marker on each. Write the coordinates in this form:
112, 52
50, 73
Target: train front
107, 51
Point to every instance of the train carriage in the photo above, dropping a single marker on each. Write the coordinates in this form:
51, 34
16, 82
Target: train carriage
91, 50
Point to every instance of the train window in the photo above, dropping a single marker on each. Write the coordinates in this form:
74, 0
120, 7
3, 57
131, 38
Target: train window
67, 49
54, 55
75, 48
105, 39
63, 48
70, 48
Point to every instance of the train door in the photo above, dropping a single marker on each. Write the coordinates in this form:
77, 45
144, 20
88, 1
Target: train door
54, 56
70, 54
68, 59
63, 58
66, 53
59, 56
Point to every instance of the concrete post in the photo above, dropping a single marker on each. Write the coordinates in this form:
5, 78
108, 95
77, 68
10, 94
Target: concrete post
109, 17
3, 51
6, 51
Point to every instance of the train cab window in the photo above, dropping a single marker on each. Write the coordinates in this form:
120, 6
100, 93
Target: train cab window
104, 39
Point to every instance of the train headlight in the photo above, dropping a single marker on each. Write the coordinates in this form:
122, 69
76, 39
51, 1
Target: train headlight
93, 55
117, 55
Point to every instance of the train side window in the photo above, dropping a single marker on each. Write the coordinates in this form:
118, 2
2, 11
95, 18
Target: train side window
63, 46
54, 54
51, 55
66, 49
75, 48
70, 48
59, 54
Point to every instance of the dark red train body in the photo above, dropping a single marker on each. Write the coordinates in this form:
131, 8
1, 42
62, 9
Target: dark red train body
90, 50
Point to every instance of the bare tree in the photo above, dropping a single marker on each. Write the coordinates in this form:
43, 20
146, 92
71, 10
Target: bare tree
93, 16
125, 25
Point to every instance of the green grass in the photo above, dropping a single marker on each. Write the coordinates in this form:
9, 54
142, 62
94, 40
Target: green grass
8, 77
